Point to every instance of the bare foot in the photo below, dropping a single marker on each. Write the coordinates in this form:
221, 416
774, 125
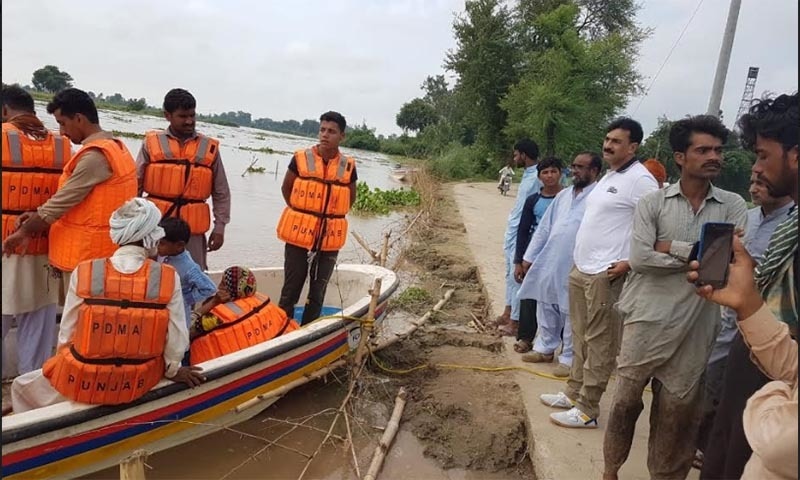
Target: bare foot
610, 476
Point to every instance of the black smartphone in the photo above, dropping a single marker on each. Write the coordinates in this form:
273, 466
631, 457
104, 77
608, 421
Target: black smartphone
714, 254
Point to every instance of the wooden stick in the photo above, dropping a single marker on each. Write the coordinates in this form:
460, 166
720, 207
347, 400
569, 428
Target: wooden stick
372, 253
388, 436
255, 160
369, 322
132, 468
417, 324
352, 446
385, 249
289, 386
408, 228
480, 324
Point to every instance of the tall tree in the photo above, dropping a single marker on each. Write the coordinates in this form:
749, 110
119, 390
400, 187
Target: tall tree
484, 61
571, 84
51, 79
416, 115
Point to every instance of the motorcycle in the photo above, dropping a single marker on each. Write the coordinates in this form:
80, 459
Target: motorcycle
505, 185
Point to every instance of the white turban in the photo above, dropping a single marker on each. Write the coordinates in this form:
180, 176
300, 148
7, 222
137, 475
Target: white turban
136, 220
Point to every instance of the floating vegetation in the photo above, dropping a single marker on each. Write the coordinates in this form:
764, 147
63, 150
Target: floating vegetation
118, 133
382, 202
254, 169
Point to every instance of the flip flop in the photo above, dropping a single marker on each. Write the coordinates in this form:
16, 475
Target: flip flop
523, 346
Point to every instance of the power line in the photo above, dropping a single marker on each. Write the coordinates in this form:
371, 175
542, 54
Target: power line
674, 45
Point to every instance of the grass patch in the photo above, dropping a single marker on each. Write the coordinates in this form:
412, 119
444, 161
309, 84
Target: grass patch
412, 299
118, 133
381, 202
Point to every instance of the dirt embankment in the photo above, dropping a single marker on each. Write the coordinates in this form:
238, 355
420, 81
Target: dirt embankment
465, 417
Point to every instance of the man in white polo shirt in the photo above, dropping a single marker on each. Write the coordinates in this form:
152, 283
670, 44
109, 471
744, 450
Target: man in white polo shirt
595, 282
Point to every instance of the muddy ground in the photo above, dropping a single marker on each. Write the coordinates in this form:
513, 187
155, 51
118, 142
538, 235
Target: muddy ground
465, 418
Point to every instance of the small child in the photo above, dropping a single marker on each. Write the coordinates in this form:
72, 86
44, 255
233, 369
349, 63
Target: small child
195, 284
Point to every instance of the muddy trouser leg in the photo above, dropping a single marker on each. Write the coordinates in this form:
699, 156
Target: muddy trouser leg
578, 309
601, 339
198, 249
728, 450
674, 423
528, 324
320, 272
295, 271
622, 417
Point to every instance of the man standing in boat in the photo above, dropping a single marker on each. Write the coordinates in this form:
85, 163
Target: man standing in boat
319, 188
96, 181
179, 169
33, 159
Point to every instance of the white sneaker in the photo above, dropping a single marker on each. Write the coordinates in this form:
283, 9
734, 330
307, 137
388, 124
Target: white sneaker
573, 418
556, 400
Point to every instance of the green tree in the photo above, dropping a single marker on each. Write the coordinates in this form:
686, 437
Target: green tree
362, 137
656, 145
571, 85
484, 61
50, 79
137, 104
416, 115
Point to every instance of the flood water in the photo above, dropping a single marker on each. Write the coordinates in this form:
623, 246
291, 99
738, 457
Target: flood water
256, 199
250, 240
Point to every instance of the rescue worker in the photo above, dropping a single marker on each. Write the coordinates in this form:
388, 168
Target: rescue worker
319, 188
97, 180
106, 358
33, 159
179, 169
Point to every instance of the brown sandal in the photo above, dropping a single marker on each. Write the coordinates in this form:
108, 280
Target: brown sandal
523, 346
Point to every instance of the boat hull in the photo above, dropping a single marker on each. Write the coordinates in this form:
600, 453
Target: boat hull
69, 440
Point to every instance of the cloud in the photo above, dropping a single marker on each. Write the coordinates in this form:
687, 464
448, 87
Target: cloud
297, 59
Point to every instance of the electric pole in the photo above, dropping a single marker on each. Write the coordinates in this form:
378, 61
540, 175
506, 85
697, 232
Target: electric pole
724, 59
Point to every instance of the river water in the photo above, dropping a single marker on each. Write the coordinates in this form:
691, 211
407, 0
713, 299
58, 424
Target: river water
256, 200
250, 240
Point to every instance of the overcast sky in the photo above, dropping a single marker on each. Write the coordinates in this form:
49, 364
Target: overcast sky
295, 59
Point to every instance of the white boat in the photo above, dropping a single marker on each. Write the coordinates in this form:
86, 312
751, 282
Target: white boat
403, 174
68, 440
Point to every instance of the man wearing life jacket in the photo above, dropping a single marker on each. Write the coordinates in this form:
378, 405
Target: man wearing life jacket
179, 169
96, 181
33, 159
105, 356
319, 188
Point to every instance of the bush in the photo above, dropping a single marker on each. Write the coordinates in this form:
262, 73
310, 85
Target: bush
383, 201
459, 162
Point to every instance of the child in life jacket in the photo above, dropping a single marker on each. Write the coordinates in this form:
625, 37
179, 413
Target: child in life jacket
196, 286
236, 283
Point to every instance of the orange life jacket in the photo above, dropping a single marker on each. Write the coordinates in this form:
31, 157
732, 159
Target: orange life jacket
179, 177
320, 199
116, 353
31, 169
245, 322
83, 232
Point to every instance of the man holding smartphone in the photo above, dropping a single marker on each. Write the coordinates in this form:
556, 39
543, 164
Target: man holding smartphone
669, 331
756, 415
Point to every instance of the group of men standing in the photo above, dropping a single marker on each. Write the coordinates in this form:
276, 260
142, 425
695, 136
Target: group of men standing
61, 211
606, 271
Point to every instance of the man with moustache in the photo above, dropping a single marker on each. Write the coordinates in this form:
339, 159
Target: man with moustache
548, 260
755, 415
762, 220
669, 331
601, 264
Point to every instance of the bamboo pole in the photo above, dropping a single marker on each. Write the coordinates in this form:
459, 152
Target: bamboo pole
368, 323
132, 468
408, 228
388, 436
255, 160
289, 386
417, 324
372, 253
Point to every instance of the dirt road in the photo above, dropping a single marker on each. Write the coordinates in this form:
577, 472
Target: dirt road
556, 452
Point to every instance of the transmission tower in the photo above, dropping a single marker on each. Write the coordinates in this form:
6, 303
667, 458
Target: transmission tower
749, 88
